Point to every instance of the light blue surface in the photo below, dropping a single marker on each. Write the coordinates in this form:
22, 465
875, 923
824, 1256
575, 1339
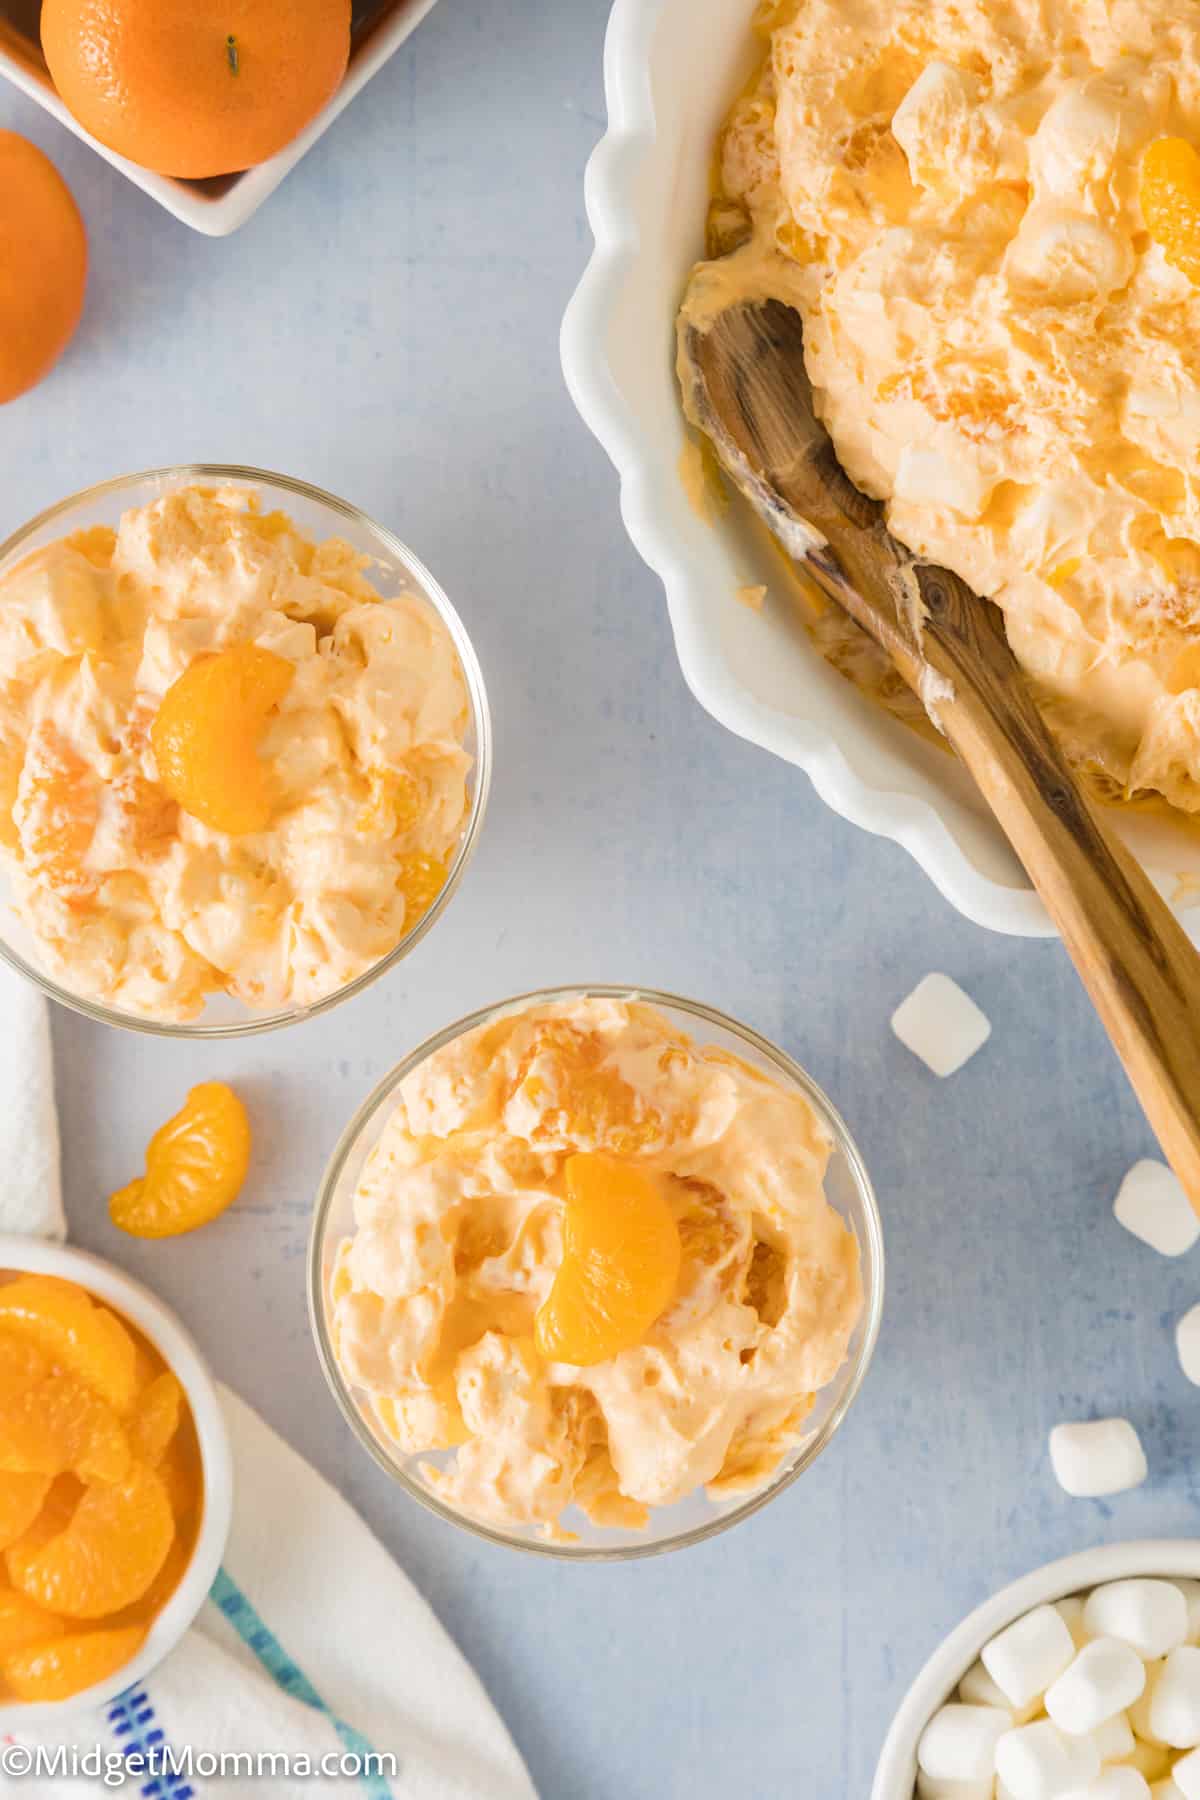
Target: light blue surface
387, 328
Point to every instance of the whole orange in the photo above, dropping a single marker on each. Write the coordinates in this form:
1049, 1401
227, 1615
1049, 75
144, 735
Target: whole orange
43, 265
196, 87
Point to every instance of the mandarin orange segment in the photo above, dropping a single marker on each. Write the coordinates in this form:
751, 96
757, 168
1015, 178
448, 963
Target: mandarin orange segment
206, 735
59, 1425
21, 1498
156, 1418
59, 1320
583, 1097
420, 879
393, 803
23, 1623
142, 1611
107, 1555
1169, 194
183, 1478
620, 1263
55, 1671
55, 816
21, 1362
195, 1166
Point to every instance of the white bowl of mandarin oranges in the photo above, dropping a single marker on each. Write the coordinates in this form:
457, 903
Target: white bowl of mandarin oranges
116, 1482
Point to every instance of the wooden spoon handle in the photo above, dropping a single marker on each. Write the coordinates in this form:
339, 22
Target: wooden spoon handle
745, 383
1134, 958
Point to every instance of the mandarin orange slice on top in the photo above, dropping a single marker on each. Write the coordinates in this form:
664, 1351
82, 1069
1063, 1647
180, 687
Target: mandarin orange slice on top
105, 1557
195, 1166
59, 1320
207, 731
620, 1262
68, 1665
1169, 194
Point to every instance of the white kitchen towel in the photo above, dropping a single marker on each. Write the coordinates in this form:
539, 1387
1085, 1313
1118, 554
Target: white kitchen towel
30, 1188
315, 1667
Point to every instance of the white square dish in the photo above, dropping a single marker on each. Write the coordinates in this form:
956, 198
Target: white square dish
672, 68
218, 207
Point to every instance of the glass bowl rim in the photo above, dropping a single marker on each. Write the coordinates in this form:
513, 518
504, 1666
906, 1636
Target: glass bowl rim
873, 1271
435, 594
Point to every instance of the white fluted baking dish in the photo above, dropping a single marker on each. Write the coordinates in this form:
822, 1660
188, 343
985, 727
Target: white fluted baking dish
672, 68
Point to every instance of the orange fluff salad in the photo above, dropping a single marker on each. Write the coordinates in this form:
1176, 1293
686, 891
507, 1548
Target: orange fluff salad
989, 217
226, 763
596, 1260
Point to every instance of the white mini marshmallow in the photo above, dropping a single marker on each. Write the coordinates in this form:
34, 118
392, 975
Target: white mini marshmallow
1040, 1762
1114, 1784
1030, 1654
930, 1789
959, 1742
1139, 1715
1166, 1790
941, 1024
1150, 1615
1153, 1206
1106, 1677
1186, 1775
978, 1689
1114, 1739
1097, 1457
1175, 1701
1187, 1344
1191, 1593
1070, 1611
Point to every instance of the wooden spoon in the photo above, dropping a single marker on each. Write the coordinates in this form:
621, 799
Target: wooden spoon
746, 387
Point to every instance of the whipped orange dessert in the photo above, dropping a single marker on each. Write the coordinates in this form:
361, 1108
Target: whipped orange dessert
989, 217
227, 764
594, 1259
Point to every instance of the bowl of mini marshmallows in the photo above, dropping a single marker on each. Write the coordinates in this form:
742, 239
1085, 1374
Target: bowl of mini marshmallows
1079, 1682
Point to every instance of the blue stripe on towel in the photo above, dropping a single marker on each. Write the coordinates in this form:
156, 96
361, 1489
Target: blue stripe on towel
259, 1637
138, 1733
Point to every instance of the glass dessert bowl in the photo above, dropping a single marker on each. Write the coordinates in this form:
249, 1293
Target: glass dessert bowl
543, 1306
244, 751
